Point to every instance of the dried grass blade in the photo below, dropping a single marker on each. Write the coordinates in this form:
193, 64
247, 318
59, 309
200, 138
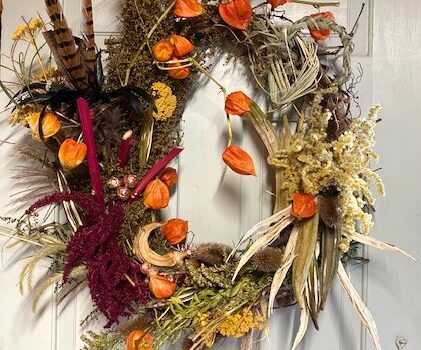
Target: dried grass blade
366, 317
262, 242
261, 227
305, 250
330, 255
372, 242
302, 329
287, 261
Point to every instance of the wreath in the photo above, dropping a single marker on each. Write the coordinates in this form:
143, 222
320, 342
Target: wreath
104, 142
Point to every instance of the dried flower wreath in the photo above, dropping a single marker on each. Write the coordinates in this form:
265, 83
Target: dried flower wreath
107, 143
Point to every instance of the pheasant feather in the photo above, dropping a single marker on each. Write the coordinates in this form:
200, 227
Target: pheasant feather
68, 50
88, 35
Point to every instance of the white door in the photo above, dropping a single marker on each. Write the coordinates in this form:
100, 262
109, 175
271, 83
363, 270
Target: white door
387, 50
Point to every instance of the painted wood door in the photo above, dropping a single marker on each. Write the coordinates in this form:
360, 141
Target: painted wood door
208, 195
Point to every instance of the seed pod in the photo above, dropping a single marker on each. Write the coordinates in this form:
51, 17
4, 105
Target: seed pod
276, 3
304, 205
239, 160
161, 287
124, 193
236, 13
178, 73
237, 103
188, 8
157, 195
130, 181
169, 177
182, 45
71, 154
321, 34
139, 340
175, 231
113, 183
163, 50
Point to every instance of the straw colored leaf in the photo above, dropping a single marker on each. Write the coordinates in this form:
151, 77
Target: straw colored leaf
261, 228
366, 317
372, 242
262, 242
330, 255
304, 250
280, 275
302, 329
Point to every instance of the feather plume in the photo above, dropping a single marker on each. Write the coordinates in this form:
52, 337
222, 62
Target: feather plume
88, 35
69, 52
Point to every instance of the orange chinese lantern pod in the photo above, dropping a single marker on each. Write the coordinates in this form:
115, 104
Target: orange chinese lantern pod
304, 205
236, 13
139, 340
321, 34
163, 50
50, 124
157, 195
71, 154
188, 8
239, 160
178, 73
182, 46
161, 287
175, 230
238, 103
169, 177
276, 3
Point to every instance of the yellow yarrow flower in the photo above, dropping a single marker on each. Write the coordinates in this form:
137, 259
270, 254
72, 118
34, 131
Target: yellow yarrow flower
165, 101
27, 31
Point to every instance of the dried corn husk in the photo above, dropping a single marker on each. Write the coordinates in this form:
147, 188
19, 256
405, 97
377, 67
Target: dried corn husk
366, 317
372, 242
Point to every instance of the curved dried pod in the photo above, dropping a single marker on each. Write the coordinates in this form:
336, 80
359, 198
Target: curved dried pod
146, 254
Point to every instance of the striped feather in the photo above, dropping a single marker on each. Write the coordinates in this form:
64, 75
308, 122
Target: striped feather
88, 35
68, 50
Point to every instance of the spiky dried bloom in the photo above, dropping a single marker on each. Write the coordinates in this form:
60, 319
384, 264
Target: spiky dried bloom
211, 253
268, 259
329, 210
312, 163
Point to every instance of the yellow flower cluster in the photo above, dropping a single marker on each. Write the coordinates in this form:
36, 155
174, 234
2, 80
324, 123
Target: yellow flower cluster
239, 324
27, 31
311, 163
165, 101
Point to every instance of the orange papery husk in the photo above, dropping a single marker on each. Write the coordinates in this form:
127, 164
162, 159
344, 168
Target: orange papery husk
276, 3
71, 154
161, 287
169, 177
239, 160
163, 50
175, 230
321, 34
304, 205
188, 8
238, 103
50, 124
178, 73
139, 340
157, 195
182, 46
236, 13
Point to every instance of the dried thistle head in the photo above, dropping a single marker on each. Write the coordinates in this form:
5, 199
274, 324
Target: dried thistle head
211, 253
329, 210
268, 259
